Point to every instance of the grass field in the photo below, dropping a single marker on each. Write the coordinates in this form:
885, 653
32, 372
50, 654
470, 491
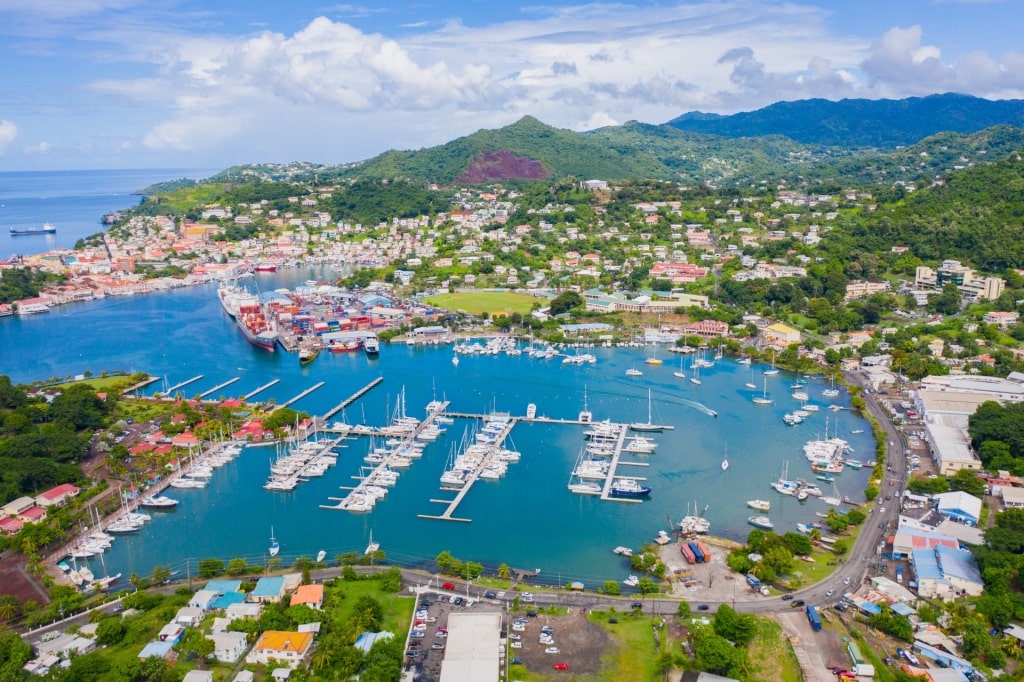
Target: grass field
490, 302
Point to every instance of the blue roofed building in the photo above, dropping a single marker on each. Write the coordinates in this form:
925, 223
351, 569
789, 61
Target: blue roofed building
164, 650
959, 506
946, 573
223, 586
223, 601
268, 590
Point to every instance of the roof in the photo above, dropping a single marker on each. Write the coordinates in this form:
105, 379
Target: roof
228, 599
959, 501
62, 489
959, 564
223, 586
308, 594
158, 649
277, 640
269, 587
366, 640
471, 651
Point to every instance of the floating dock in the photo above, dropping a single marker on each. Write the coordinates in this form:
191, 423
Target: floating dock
175, 387
142, 384
352, 398
355, 499
303, 394
606, 491
218, 387
447, 514
260, 389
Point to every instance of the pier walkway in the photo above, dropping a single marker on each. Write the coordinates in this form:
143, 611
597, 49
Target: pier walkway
175, 387
260, 389
606, 491
352, 398
489, 458
362, 498
142, 384
303, 394
218, 387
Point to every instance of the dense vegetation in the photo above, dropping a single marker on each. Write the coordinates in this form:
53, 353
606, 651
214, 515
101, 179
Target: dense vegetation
19, 283
997, 435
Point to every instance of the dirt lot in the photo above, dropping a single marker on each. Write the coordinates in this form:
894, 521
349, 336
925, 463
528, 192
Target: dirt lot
580, 642
15, 581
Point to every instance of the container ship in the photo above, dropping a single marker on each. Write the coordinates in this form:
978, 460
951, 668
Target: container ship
255, 327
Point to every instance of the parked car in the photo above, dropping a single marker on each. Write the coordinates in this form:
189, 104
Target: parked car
457, 601
846, 580
703, 607
551, 650
514, 636
437, 645
490, 595
787, 596
448, 586
516, 661
517, 645
613, 620
830, 593
561, 666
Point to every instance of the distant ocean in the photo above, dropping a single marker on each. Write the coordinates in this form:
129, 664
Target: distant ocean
74, 201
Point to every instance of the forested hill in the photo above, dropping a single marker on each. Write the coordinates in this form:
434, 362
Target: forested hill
860, 123
976, 216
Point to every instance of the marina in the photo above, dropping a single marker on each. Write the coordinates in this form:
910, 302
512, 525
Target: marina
170, 391
259, 389
218, 387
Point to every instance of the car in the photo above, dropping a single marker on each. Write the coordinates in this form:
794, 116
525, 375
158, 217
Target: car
787, 596
885, 567
561, 666
516, 661
517, 645
527, 597
420, 633
888, 497
613, 620
419, 626
437, 645
531, 613
836, 669
797, 602
501, 595
442, 635
490, 595
546, 641
413, 643
457, 601
548, 629
703, 607
900, 653
552, 650
846, 580
881, 510
519, 628
830, 593
422, 613
412, 653
840, 606
514, 636
470, 602
637, 605
426, 603
448, 586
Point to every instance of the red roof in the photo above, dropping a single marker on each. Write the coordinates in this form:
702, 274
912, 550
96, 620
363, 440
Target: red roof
33, 513
141, 448
60, 491
10, 525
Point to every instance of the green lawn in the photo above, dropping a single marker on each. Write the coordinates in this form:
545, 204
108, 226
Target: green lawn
771, 656
491, 302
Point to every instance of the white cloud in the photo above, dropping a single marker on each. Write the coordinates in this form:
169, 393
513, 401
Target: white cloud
599, 119
41, 148
8, 133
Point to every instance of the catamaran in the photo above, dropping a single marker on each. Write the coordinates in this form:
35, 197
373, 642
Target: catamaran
372, 546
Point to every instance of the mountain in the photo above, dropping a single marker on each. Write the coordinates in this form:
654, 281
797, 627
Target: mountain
882, 123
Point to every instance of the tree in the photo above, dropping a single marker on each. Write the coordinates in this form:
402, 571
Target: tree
684, 610
391, 580
611, 588
967, 481
110, 630
10, 607
565, 302
237, 566
504, 571
195, 644
210, 568
716, 655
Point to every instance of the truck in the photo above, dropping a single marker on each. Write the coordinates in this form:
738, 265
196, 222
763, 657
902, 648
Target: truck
813, 618
753, 581
899, 574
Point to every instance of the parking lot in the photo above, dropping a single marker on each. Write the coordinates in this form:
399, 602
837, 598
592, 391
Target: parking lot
429, 635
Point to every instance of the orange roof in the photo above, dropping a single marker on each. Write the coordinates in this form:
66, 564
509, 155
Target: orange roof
274, 640
308, 594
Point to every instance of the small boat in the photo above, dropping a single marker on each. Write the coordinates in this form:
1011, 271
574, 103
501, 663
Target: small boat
828, 478
275, 546
760, 505
761, 522
631, 581
372, 546
623, 551
634, 372
531, 411
857, 431
725, 460
320, 556
158, 502
455, 360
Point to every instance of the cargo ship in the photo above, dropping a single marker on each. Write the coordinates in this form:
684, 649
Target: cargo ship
47, 228
371, 346
255, 327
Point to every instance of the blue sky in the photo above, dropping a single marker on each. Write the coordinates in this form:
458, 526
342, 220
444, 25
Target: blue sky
181, 83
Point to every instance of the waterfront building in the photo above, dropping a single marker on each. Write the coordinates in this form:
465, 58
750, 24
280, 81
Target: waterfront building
57, 497
311, 595
779, 333
472, 649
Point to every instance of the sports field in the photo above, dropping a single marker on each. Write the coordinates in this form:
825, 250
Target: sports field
491, 302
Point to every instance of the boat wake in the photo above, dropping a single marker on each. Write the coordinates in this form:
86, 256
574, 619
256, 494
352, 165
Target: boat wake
698, 406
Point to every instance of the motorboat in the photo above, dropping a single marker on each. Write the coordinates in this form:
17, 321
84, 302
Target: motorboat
761, 522
320, 556
760, 505
631, 581
629, 487
158, 502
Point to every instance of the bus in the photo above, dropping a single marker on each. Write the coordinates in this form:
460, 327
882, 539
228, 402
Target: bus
813, 618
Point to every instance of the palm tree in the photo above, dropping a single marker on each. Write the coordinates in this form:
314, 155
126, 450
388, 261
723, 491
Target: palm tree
504, 572
322, 657
10, 607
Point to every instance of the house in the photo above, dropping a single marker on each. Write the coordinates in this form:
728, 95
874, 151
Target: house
189, 616
244, 676
171, 632
244, 610
1001, 318
959, 506
203, 599
282, 647
164, 650
228, 647
19, 506
10, 526
268, 590
781, 333
33, 515
198, 676
311, 595
58, 496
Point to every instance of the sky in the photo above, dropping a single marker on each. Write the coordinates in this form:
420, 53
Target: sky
209, 84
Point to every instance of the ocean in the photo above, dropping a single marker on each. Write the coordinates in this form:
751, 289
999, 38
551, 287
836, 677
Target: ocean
74, 201
528, 519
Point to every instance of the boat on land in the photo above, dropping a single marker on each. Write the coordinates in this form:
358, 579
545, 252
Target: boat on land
759, 505
761, 521
629, 487
275, 546
47, 228
371, 345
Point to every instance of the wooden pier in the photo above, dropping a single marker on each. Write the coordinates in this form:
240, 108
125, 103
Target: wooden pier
303, 394
218, 387
260, 389
606, 491
499, 441
175, 387
352, 398
407, 441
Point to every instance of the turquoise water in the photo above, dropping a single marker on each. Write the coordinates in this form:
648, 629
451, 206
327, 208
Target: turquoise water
528, 519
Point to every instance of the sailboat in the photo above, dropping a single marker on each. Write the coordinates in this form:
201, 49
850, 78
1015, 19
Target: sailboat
695, 379
275, 546
649, 425
763, 399
680, 373
320, 556
585, 416
834, 499
833, 391
772, 371
455, 359
751, 384
725, 459
654, 359
372, 546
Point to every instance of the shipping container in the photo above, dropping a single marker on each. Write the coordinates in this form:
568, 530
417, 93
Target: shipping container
813, 618
687, 553
698, 555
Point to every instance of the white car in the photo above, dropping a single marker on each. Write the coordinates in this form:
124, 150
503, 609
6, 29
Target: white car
846, 581
514, 636
551, 650
830, 593
517, 645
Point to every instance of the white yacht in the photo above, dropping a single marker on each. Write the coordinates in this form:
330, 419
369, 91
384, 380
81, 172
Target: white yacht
760, 505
